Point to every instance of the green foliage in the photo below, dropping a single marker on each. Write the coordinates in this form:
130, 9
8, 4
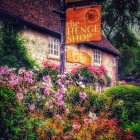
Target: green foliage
135, 127
13, 52
125, 97
124, 13
91, 75
49, 71
88, 76
130, 49
124, 101
72, 95
95, 102
117, 28
14, 122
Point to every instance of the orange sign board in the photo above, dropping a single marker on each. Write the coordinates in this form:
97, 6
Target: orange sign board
78, 56
83, 24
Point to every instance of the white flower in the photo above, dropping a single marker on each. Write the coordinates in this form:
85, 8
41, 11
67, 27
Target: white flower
65, 72
51, 107
92, 115
81, 84
36, 69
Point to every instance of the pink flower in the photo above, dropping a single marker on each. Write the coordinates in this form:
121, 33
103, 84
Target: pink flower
28, 74
32, 107
18, 88
67, 110
73, 71
19, 96
83, 95
60, 103
63, 76
57, 67
86, 121
67, 82
103, 69
59, 82
45, 78
76, 127
99, 71
95, 122
93, 69
58, 95
58, 117
11, 83
30, 81
63, 90
46, 91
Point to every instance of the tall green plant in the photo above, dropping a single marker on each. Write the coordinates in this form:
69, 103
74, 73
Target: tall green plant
118, 16
14, 120
12, 49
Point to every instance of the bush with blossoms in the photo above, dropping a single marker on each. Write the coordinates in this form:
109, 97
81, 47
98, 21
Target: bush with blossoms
91, 75
49, 69
57, 110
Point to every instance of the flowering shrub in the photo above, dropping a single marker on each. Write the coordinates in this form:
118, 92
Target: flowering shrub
51, 70
91, 74
46, 64
62, 110
14, 122
83, 127
25, 84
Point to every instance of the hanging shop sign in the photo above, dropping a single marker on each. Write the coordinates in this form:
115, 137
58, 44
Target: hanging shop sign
78, 56
83, 24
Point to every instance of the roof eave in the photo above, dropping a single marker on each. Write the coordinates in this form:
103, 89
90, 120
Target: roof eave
30, 24
105, 49
51, 32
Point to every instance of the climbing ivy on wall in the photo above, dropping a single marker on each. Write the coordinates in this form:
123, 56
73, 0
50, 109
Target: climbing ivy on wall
12, 50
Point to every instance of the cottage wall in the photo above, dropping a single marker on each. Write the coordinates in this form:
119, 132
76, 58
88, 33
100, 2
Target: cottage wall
37, 46
110, 63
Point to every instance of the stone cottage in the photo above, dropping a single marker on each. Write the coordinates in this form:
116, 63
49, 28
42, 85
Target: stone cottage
42, 35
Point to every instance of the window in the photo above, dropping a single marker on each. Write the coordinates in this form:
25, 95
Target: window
54, 46
97, 57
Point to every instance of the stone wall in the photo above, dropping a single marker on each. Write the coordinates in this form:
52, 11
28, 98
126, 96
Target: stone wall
37, 47
110, 63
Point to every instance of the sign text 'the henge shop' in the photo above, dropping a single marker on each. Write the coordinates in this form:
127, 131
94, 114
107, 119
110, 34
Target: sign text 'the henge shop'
83, 24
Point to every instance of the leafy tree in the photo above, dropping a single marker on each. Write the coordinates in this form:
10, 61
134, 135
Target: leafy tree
12, 49
118, 18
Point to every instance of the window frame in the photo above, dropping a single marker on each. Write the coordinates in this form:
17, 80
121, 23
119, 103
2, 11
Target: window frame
54, 47
97, 57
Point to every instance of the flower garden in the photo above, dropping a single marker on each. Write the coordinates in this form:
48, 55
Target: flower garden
44, 105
